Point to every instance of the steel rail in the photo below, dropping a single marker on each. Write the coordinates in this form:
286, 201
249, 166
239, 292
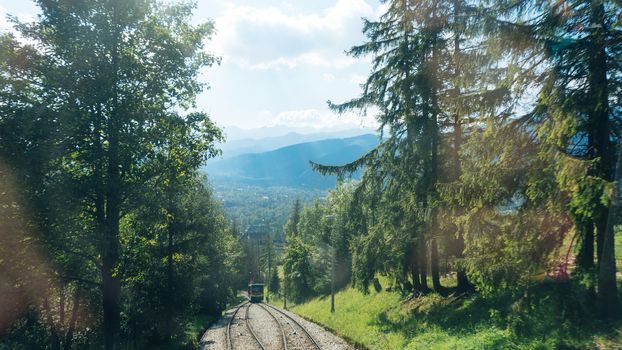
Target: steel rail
248, 325
229, 342
297, 324
279, 323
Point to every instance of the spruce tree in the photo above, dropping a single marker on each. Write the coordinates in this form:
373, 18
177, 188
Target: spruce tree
428, 91
571, 51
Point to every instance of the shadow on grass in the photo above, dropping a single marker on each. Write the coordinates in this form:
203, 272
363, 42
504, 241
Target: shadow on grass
556, 316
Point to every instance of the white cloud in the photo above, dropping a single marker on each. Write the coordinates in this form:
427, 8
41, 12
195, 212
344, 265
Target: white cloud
260, 38
316, 119
306, 59
334, 18
328, 77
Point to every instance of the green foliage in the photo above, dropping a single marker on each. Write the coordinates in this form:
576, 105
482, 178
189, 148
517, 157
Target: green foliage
265, 207
462, 173
275, 282
126, 243
576, 114
206, 264
515, 216
298, 269
110, 235
545, 317
324, 231
291, 226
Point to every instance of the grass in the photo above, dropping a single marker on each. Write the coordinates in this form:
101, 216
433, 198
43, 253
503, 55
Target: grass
197, 326
548, 316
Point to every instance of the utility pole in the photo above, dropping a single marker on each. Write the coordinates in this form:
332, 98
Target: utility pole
269, 267
284, 291
329, 222
332, 281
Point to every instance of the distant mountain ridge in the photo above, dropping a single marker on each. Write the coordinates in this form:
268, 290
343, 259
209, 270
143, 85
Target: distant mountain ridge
234, 133
237, 147
289, 166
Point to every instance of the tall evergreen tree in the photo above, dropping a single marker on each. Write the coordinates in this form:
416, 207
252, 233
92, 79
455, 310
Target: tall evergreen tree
577, 112
291, 227
402, 86
428, 90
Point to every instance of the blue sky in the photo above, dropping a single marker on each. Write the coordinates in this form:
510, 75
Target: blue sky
281, 60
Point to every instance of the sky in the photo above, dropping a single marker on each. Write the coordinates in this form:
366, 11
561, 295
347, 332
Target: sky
281, 60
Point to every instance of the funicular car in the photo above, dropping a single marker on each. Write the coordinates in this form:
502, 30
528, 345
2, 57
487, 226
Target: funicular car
255, 292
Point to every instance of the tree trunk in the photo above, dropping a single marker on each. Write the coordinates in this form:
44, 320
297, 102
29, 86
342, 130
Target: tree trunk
54, 338
414, 271
601, 231
169, 281
110, 257
434, 149
423, 266
61, 306
599, 123
284, 291
463, 281
436, 281
111, 282
585, 256
111, 288
72, 322
607, 287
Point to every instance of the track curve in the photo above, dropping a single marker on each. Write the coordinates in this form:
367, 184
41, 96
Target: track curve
308, 336
247, 306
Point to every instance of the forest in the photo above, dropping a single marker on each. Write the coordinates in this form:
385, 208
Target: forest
496, 175
110, 236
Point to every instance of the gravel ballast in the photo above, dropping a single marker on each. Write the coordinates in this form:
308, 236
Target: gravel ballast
266, 328
325, 339
268, 331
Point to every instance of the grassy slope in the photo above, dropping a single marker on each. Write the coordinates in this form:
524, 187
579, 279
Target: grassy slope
383, 321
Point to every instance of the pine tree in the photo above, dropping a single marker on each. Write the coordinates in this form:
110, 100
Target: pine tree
428, 90
403, 86
291, 227
577, 113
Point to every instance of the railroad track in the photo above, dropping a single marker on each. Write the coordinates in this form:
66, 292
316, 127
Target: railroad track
296, 339
229, 343
247, 306
284, 338
250, 329
306, 342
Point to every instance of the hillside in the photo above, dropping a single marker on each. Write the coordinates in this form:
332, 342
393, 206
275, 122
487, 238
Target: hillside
388, 320
265, 207
289, 166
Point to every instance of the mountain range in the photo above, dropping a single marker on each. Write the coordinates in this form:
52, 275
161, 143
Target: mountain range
236, 147
289, 166
234, 133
